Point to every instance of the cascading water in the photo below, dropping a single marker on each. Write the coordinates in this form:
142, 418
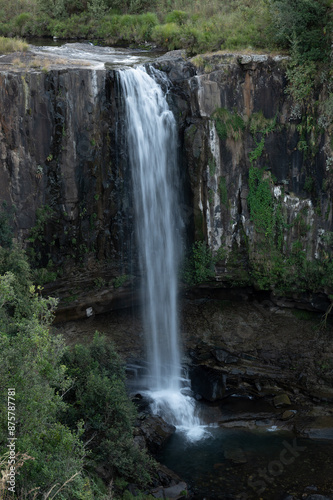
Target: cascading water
152, 147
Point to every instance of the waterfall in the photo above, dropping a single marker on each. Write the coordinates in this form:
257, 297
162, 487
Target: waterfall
152, 148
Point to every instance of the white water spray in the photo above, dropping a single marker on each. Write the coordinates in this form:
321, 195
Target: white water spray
152, 147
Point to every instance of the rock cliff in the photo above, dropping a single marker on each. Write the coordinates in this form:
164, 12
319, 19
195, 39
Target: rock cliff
61, 164
256, 173
259, 171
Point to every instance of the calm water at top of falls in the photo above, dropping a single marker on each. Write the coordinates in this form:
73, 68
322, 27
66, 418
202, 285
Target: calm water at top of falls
93, 55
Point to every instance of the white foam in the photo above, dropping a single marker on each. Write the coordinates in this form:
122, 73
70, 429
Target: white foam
179, 410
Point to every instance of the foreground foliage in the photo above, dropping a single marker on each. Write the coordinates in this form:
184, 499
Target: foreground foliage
71, 408
98, 398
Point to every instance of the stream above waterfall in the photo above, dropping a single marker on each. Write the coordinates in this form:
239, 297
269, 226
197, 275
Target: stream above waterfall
98, 56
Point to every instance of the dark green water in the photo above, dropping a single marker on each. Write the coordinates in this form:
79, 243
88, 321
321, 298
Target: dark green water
240, 464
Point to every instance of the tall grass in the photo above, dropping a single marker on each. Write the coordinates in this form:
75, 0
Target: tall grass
196, 25
218, 25
8, 45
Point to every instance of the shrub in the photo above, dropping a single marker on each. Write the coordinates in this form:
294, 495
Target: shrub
128, 28
200, 265
21, 22
30, 362
302, 26
98, 398
167, 35
8, 45
177, 16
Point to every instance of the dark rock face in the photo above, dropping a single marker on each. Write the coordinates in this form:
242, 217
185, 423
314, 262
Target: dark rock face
273, 353
62, 151
154, 431
248, 92
60, 147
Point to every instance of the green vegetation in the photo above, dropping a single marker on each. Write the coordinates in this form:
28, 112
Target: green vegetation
200, 264
98, 398
261, 202
260, 127
6, 232
271, 265
228, 124
8, 45
120, 280
172, 24
73, 417
223, 191
302, 27
305, 315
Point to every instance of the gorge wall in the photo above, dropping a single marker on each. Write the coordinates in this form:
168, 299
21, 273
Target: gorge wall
61, 164
256, 174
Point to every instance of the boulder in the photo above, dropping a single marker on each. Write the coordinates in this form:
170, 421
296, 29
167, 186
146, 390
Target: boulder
288, 414
155, 432
281, 400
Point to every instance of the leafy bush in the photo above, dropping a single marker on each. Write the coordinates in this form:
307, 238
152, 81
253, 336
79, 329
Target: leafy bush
58, 408
30, 363
13, 260
177, 16
128, 28
193, 26
200, 265
303, 27
98, 398
21, 21
167, 35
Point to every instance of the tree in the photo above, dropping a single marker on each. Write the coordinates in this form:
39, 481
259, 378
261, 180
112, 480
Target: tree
30, 365
303, 26
98, 398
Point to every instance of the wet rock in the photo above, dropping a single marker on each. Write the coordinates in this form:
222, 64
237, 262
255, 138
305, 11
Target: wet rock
158, 492
208, 383
322, 394
317, 427
288, 414
155, 432
168, 484
311, 488
224, 356
318, 497
176, 65
177, 491
281, 400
